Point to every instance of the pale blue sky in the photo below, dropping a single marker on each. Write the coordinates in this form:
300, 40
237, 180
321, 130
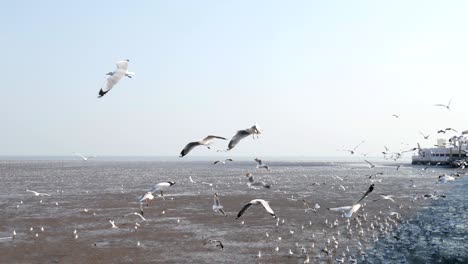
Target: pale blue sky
316, 75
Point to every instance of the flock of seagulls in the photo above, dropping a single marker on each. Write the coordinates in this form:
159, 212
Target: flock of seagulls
363, 224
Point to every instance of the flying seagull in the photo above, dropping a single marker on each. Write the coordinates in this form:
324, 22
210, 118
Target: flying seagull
396, 116
37, 193
256, 202
371, 165
222, 162
83, 157
352, 151
424, 136
217, 207
115, 77
260, 164
385, 197
349, 210
241, 134
252, 183
161, 186
205, 142
446, 106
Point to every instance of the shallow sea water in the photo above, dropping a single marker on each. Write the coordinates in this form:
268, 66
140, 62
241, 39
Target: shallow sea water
429, 231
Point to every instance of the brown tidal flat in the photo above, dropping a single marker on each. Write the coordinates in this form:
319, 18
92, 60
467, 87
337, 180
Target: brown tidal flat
177, 236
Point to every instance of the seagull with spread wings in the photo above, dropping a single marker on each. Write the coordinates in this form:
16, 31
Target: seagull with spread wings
241, 134
349, 210
352, 151
261, 165
204, 142
217, 207
447, 106
256, 202
115, 77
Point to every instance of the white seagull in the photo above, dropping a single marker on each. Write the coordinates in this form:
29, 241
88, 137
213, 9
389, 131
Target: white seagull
137, 214
217, 207
205, 142
349, 210
447, 106
222, 162
115, 77
260, 164
252, 183
241, 134
83, 157
352, 151
37, 193
256, 202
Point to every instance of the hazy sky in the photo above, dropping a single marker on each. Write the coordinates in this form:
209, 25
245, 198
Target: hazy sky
316, 75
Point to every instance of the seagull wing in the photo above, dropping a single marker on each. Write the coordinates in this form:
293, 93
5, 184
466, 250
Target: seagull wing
189, 147
111, 81
369, 163
369, 190
241, 134
242, 211
266, 206
259, 161
211, 137
358, 145
340, 209
216, 201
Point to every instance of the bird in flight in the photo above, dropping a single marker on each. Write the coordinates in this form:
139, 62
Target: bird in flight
260, 164
256, 202
222, 162
204, 142
241, 134
115, 77
38, 193
349, 210
447, 106
352, 151
217, 207
424, 136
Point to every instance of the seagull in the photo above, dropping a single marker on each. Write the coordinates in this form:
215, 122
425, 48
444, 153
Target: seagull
307, 207
214, 241
256, 202
137, 214
385, 197
349, 210
424, 136
446, 106
352, 151
83, 157
205, 142
38, 193
223, 162
260, 164
191, 180
161, 186
254, 183
241, 134
217, 207
370, 164
396, 116
113, 224
444, 178
115, 77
